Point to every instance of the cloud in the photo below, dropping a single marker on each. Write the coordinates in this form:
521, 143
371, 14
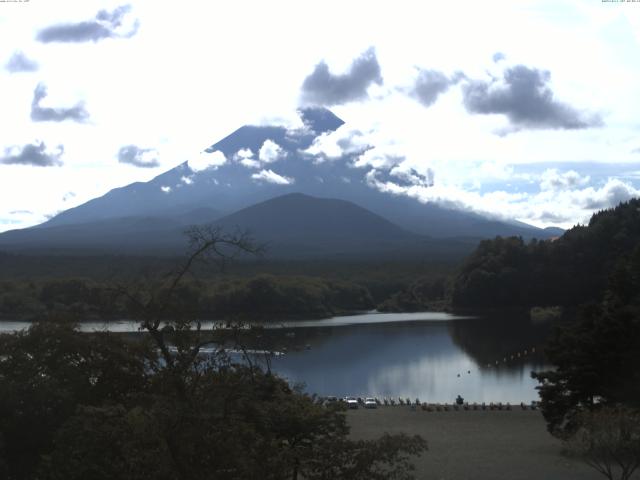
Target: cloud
410, 176
498, 56
139, 157
104, 25
325, 88
242, 154
334, 145
76, 113
564, 200
552, 179
270, 152
245, 157
270, 176
206, 160
382, 157
430, 84
35, 154
68, 196
19, 62
523, 95
636, 150
609, 195
165, 189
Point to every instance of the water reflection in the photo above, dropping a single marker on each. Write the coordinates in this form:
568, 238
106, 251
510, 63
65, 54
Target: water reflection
433, 361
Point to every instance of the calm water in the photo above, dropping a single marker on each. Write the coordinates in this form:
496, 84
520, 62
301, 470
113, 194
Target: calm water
432, 356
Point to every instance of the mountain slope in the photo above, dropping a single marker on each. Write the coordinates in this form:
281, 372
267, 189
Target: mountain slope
248, 177
297, 215
260, 163
300, 226
291, 226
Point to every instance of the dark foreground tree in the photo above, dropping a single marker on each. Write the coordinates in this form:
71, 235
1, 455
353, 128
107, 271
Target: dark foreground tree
47, 372
79, 406
608, 440
597, 357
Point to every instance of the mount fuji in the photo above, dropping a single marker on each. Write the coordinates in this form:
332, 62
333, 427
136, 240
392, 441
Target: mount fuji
263, 178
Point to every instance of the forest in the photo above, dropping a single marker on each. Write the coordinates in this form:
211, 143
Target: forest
568, 271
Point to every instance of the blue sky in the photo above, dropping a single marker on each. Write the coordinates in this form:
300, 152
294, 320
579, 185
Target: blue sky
525, 111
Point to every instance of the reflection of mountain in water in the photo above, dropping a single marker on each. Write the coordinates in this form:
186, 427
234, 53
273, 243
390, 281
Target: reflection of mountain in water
493, 339
415, 359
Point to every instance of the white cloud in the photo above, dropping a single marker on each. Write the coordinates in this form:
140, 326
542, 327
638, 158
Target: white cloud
270, 152
564, 207
249, 162
333, 145
553, 180
242, 154
165, 189
270, 176
207, 160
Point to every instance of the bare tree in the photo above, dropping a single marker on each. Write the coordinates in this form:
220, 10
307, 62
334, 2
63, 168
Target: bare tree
608, 440
160, 307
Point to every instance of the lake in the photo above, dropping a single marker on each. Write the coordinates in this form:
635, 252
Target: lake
432, 356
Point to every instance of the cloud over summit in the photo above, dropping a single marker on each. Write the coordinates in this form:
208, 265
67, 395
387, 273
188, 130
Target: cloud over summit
325, 88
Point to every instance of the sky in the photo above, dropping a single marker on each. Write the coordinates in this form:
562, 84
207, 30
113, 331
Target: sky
524, 110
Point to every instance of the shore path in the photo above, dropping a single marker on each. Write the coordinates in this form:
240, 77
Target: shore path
476, 445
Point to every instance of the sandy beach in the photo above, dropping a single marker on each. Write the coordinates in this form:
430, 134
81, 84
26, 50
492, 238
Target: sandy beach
476, 445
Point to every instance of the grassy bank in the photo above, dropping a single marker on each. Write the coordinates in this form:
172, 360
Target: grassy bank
476, 445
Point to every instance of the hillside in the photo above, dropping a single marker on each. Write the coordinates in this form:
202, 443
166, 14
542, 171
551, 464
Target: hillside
571, 270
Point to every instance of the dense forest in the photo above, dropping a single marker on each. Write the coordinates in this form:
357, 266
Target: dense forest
84, 286
261, 297
568, 271
596, 356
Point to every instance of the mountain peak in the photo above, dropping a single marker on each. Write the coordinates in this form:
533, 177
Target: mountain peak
319, 119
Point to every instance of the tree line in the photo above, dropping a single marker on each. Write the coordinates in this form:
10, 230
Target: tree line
260, 297
570, 270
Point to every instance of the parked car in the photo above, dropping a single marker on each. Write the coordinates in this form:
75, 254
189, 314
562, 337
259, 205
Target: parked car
370, 403
351, 402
